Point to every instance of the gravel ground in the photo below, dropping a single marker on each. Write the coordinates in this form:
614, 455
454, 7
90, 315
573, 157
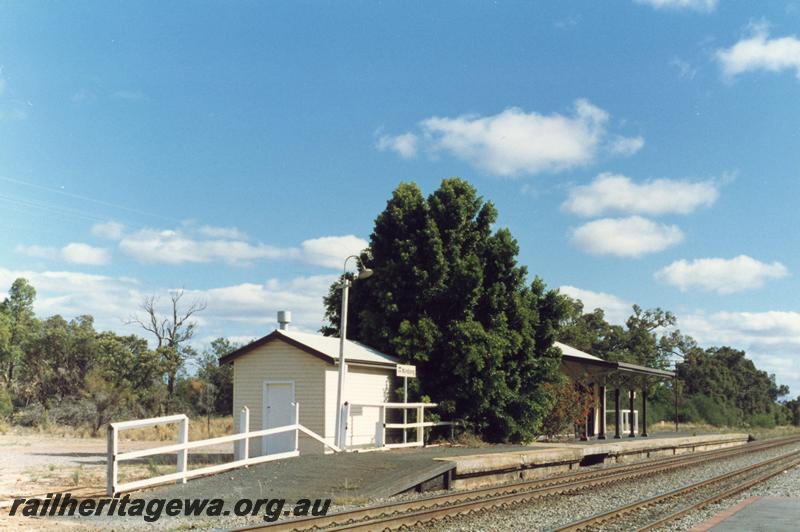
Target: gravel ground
535, 516
787, 484
553, 513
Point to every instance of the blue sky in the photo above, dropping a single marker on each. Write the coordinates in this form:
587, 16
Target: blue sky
641, 152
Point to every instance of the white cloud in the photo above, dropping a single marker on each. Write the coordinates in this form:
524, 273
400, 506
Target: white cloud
79, 253
759, 52
705, 6
222, 232
246, 310
37, 252
330, 251
618, 193
724, 276
514, 142
625, 146
616, 310
178, 247
625, 237
110, 230
771, 339
71, 294
254, 306
175, 247
404, 145
75, 253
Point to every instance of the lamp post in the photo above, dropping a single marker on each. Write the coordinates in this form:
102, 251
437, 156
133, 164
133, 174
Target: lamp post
346, 283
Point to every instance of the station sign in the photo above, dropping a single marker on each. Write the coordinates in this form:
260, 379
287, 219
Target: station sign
404, 370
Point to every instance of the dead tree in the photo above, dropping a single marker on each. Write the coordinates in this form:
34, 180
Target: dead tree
172, 331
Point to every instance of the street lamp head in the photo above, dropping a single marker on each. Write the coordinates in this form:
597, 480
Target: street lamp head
365, 273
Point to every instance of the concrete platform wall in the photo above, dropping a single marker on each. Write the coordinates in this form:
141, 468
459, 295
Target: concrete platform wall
548, 459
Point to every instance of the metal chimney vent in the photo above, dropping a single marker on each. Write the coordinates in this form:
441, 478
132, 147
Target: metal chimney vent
284, 319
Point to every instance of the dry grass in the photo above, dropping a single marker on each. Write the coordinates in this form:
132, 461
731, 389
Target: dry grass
199, 429
700, 428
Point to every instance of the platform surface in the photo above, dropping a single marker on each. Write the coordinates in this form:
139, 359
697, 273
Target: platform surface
542, 454
360, 477
773, 514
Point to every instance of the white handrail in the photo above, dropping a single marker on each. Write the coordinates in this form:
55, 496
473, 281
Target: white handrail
397, 405
149, 422
167, 449
420, 424
242, 458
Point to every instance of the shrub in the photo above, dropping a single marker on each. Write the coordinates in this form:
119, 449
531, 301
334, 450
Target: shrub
74, 413
701, 408
764, 421
33, 415
6, 406
571, 406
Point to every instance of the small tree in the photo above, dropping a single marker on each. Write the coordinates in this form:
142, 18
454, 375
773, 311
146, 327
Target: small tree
18, 325
107, 399
172, 332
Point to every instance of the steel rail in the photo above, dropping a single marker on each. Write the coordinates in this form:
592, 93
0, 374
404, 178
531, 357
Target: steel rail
423, 517
392, 515
717, 498
591, 523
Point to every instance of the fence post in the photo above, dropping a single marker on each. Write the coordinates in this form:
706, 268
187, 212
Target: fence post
243, 445
345, 423
381, 426
297, 422
111, 461
183, 454
420, 430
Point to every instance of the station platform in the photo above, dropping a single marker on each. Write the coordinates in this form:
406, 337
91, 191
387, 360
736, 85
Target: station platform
478, 470
360, 477
773, 514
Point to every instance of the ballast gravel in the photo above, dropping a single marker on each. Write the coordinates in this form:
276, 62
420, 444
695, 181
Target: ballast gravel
555, 512
786, 484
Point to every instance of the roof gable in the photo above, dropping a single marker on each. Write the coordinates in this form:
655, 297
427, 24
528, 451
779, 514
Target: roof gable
324, 347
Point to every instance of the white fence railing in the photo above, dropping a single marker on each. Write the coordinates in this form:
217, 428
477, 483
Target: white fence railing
625, 422
380, 437
242, 456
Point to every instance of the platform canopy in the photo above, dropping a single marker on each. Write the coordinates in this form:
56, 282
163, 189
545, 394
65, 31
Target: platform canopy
576, 362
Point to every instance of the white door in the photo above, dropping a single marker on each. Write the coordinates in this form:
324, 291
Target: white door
278, 412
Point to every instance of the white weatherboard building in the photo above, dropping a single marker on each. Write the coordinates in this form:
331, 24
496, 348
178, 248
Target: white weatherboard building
284, 367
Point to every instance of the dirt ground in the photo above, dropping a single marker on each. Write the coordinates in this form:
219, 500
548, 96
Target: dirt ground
33, 465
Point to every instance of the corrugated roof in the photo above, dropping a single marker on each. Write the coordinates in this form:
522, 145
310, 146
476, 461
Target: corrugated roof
325, 347
577, 353
570, 352
329, 345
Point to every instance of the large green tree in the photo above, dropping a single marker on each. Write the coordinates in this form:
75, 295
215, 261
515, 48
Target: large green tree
449, 296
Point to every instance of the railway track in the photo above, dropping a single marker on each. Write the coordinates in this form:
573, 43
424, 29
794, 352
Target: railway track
429, 509
629, 517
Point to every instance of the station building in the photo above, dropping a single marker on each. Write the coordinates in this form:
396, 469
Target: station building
273, 374
286, 367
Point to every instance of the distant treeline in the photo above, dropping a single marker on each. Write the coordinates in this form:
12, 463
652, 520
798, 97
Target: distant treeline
717, 385
55, 371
